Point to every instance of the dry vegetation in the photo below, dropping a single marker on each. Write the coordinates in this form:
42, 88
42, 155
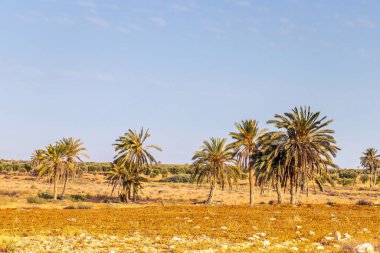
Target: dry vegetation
164, 219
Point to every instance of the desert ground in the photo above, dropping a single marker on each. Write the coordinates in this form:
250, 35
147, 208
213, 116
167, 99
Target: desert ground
166, 220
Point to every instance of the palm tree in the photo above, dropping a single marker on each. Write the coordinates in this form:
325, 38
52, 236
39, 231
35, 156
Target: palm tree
37, 158
215, 163
371, 161
52, 164
74, 150
308, 146
269, 164
123, 180
131, 152
245, 145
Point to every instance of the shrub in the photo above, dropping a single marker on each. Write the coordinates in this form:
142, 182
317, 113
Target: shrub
177, 179
45, 195
364, 178
364, 203
347, 182
35, 200
154, 173
79, 206
78, 197
164, 173
351, 174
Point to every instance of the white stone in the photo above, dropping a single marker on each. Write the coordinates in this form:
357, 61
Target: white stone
299, 227
294, 248
329, 238
311, 233
365, 248
266, 243
262, 234
347, 236
320, 247
175, 238
224, 228
337, 235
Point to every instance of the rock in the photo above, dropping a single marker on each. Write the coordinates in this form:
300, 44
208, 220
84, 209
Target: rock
224, 246
347, 236
311, 233
262, 234
196, 227
254, 227
337, 235
320, 247
266, 243
272, 219
294, 248
365, 248
224, 228
177, 239
329, 238
298, 227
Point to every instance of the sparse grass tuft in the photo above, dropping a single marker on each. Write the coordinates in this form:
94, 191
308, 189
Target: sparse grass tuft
365, 203
80, 206
35, 200
7, 243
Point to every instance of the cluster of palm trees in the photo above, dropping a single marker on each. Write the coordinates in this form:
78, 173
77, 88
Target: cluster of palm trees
59, 162
298, 153
131, 159
371, 161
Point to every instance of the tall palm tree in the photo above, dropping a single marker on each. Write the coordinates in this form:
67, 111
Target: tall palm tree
215, 163
52, 164
74, 151
131, 152
371, 161
246, 145
308, 145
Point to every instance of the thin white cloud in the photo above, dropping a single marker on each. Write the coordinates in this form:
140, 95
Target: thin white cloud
243, 2
366, 22
97, 21
128, 28
160, 22
286, 26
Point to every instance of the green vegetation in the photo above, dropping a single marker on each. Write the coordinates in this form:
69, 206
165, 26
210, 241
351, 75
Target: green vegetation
131, 159
371, 161
245, 144
215, 163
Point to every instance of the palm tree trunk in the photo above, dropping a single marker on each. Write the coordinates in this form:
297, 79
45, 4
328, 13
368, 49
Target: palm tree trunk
127, 193
279, 191
374, 177
370, 177
293, 200
64, 187
55, 186
211, 194
250, 187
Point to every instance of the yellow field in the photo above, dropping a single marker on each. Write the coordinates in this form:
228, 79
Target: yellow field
164, 220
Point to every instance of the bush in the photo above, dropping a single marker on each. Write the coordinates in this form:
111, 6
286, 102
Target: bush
177, 179
79, 206
364, 203
35, 200
78, 197
351, 174
154, 173
364, 178
45, 195
347, 182
164, 173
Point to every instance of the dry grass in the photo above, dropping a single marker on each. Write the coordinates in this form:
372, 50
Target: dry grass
199, 227
165, 220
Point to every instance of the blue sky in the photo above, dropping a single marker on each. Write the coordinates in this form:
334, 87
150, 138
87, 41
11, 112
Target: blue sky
188, 70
